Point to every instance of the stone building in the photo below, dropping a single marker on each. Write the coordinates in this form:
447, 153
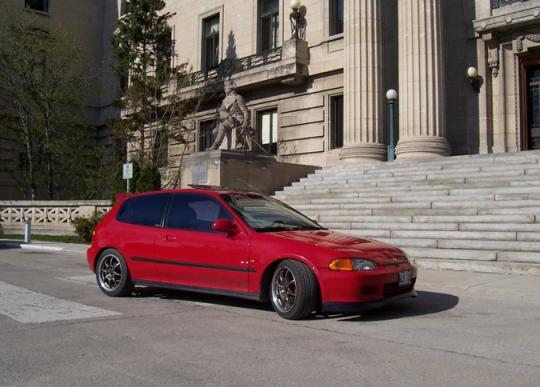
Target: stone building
320, 99
92, 23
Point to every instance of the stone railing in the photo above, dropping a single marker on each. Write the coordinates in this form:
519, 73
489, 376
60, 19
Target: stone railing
502, 3
48, 217
241, 64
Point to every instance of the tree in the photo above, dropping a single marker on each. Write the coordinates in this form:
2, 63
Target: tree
154, 110
41, 109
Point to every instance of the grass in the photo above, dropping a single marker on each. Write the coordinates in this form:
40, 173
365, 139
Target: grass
47, 238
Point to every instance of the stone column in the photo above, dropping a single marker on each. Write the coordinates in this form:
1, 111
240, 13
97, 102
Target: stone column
421, 80
363, 94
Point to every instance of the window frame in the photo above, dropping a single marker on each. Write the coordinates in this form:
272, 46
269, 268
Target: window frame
205, 65
208, 137
274, 17
332, 18
162, 215
273, 146
169, 207
332, 140
46, 6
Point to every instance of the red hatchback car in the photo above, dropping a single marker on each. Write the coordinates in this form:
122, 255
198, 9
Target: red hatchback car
244, 245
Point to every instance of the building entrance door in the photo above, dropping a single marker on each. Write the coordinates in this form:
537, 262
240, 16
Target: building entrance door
530, 81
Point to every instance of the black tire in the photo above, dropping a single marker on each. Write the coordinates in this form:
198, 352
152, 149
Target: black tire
112, 274
304, 292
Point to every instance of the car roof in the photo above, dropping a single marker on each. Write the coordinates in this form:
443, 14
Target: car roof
211, 190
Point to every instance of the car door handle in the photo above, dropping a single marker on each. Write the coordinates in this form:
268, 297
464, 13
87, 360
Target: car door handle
169, 238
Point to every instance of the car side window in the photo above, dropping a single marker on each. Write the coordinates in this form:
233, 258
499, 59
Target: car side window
143, 210
195, 212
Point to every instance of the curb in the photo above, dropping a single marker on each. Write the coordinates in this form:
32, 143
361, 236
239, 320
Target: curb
41, 247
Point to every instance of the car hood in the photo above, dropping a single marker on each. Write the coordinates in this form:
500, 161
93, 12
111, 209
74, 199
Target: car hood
347, 246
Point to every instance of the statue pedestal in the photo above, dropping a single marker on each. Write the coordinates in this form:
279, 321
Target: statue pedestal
242, 171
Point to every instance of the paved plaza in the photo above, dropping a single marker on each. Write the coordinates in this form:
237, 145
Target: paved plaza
56, 328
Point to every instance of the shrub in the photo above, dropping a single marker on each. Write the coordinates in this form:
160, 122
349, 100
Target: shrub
149, 179
84, 227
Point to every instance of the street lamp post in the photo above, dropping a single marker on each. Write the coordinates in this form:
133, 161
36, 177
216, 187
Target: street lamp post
296, 18
391, 97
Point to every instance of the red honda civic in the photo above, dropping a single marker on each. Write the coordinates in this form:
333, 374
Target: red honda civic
244, 245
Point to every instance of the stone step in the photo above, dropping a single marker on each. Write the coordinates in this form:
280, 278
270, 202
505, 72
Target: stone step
315, 214
412, 185
496, 220
462, 244
479, 266
442, 235
373, 189
421, 174
447, 164
391, 226
431, 170
458, 254
480, 212
525, 231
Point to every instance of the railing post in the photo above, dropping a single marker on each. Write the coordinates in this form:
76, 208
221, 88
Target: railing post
28, 230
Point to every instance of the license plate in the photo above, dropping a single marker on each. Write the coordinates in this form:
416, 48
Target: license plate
405, 279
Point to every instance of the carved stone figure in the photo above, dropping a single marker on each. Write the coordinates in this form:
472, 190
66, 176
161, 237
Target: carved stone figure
233, 115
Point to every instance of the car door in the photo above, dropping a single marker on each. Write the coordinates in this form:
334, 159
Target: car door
190, 253
137, 227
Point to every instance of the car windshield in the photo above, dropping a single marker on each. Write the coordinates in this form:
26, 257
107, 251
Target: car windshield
264, 214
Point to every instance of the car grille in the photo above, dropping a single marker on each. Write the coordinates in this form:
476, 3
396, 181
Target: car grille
393, 289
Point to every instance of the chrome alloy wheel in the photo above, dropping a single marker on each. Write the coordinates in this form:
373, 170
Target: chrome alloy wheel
284, 290
110, 272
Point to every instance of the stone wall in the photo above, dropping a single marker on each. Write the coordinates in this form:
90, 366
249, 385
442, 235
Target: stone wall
48, 217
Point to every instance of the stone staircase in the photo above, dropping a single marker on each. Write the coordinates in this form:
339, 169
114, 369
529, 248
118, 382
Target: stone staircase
478, 212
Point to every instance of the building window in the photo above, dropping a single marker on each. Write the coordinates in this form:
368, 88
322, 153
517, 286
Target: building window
502, 3
205, 134
161, 149
267, 126
336, 17
336, 122
164, 54
37, 5
210, 43
123, 7
268, 24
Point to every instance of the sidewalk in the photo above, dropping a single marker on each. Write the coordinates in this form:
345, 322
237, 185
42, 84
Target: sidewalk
498, 286
44, 245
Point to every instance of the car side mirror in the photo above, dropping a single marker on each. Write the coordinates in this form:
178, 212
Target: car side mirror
225, 226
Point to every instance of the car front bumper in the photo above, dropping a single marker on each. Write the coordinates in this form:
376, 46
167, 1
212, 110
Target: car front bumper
343, 292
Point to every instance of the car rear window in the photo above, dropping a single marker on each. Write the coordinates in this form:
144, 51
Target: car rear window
143, 210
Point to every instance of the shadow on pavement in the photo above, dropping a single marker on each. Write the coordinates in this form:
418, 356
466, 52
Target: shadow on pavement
426, 303
6, 244
169, 294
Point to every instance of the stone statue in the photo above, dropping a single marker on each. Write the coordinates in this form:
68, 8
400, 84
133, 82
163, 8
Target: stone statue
233, 114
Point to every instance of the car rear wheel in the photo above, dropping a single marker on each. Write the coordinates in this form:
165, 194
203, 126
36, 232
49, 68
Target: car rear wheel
293, 290
112, 274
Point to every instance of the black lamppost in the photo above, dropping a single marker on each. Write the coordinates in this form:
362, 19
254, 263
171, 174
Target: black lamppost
296, 18
391, 97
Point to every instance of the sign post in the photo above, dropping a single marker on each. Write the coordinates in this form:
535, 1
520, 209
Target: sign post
127, 174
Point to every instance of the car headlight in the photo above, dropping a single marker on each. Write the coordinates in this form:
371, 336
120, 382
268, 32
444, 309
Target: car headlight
351, 264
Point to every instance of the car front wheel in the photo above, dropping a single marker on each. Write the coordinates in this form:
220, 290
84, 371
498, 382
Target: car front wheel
112, 274
293, 291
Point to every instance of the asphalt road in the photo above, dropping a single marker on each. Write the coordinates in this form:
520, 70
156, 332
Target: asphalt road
57, 329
